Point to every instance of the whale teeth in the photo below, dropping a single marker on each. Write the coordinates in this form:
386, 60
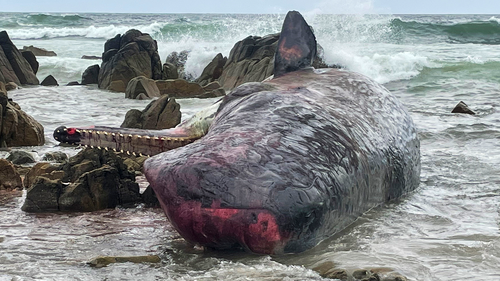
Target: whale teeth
133, 153
106, 148
114, 149
148, 137
130, 136
163, 139
65, 129
128, 152
105, 133
121, 135
78, 131
140, 154
121, 151
156, 138
113, 134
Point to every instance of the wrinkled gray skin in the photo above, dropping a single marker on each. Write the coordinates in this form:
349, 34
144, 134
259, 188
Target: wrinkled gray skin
313, 148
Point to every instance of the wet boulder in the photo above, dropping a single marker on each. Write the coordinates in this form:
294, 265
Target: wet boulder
19, 128
131, 55
47, 170
56, 156
250, 60
180, 88
20, 71
212, 71
49, 81
9, 177
31, 59
142, 85
19, 157
39, 52
91, 180
176, 62
162, 113
91, 75
461, 107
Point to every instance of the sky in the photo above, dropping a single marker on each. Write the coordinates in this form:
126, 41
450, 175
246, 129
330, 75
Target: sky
258, 6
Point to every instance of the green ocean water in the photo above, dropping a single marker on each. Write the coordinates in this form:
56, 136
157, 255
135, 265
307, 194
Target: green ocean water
449, 229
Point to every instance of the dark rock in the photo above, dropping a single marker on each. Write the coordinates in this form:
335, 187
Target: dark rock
11, 86
43, 196
91, 75
9, 177
73, 83
39, 52
169, 71
56, 156
91, 159
461, 107
20, 129
47, 170
113, 43
162, 113
31, 59
97, 179
149, 198
212, 71
20, 157
179, 88
178, 60
136, 55
133, 119
22, 69
49, 81
142, 85
85, 57
252, 60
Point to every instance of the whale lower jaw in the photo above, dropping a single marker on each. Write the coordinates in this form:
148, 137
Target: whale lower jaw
254, 230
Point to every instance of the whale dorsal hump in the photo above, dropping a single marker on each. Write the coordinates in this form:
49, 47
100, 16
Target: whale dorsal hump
296, 46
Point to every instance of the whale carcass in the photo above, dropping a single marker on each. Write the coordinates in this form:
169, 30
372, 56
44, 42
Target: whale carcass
288, 162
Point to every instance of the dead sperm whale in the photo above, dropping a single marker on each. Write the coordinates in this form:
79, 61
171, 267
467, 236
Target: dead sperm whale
288, 162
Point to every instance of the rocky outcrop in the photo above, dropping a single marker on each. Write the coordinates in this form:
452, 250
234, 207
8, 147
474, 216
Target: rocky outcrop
162, 113
19, 157
47, 170
17, 127
252, 60
461, 107
97, 179
180, 88
9, 177
49, 81
212, 71
91, 75
85, 57
13, 66
56, 156
31, 59
39, 52
142, 85
125, 57
174, 66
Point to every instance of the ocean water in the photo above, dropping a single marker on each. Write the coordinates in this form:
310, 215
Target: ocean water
448, 229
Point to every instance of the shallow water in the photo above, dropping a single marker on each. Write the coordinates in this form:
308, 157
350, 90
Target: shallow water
448, 229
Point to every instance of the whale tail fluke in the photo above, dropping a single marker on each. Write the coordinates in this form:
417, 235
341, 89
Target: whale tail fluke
296, 46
